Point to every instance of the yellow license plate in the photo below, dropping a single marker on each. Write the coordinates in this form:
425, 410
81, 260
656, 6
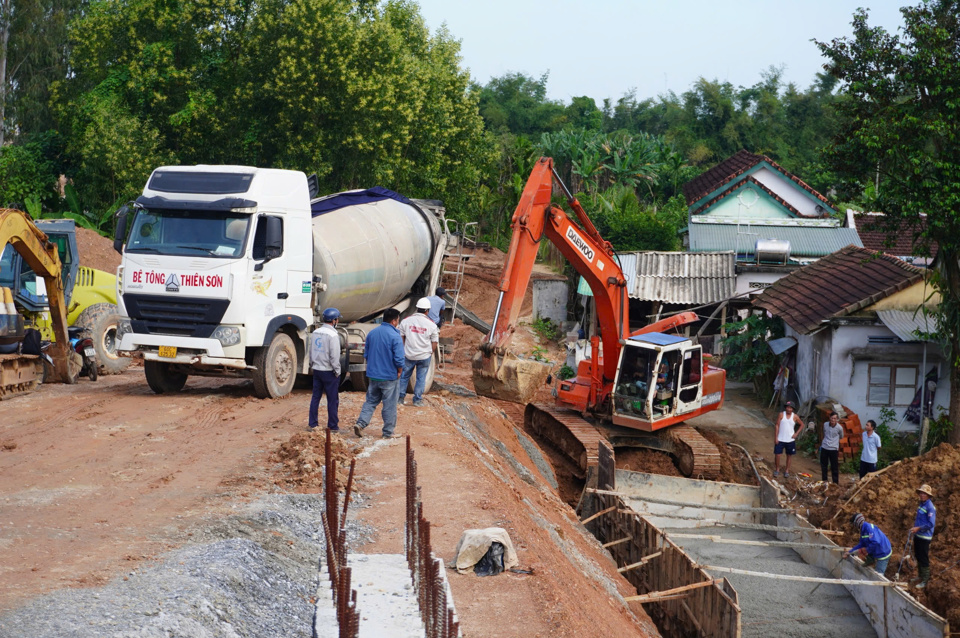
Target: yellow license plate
168, 352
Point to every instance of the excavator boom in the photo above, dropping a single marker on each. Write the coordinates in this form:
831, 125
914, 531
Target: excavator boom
17, 229
497, 373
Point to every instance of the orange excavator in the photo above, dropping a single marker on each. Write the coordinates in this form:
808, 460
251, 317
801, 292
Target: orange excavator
636, 388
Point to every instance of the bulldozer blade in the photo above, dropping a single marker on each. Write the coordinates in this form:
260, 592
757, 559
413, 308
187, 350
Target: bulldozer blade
508, 377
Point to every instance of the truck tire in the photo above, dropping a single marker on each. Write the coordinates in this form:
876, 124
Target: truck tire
162, 379
100, 321
276, 368
359, 381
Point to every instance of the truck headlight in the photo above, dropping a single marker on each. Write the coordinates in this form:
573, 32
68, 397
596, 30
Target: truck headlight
123, 327
227, 335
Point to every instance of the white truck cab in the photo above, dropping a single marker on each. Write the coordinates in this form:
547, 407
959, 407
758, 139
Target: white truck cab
219, 276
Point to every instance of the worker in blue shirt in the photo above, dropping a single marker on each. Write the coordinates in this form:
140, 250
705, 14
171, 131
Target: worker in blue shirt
437, 306
873, 542
922, 531
384, 354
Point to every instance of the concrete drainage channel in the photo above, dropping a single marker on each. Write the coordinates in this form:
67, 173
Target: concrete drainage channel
387, 606
717, 559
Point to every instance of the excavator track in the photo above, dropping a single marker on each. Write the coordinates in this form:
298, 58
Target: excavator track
579, 439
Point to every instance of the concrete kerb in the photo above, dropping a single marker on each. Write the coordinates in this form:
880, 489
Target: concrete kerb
892, 612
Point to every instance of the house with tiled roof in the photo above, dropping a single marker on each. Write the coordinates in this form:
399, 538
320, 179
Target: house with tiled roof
862, 335
902, 241
772, 220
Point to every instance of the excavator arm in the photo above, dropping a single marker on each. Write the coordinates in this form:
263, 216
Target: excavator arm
498, 373
18, 230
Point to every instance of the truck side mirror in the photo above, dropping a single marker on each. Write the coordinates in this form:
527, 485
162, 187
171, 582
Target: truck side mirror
121, 233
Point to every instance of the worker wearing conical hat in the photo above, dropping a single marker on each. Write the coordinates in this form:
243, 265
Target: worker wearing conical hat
922, 531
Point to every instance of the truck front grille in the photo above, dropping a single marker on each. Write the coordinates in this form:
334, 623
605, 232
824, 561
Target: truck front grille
182, 316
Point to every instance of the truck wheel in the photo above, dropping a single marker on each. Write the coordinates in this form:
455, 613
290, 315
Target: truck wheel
100, 321
162, 379
359, 381
276, 368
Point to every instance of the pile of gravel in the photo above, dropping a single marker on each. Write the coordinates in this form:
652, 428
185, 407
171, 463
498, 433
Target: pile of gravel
252, 574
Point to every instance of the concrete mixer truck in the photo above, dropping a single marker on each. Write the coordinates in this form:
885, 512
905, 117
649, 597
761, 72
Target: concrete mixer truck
227, 269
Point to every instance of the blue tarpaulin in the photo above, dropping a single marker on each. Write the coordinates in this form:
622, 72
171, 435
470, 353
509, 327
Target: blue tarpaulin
352, 198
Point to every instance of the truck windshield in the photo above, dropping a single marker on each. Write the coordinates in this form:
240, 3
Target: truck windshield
188, 233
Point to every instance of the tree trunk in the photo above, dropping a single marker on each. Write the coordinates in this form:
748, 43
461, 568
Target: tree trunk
4, 39
949, 300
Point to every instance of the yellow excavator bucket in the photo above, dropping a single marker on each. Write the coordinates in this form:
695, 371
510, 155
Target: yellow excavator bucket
508, 377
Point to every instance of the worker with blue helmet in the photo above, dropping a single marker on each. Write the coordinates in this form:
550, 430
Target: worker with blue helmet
325, 365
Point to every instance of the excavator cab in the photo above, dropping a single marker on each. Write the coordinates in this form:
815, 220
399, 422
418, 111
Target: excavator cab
659, 378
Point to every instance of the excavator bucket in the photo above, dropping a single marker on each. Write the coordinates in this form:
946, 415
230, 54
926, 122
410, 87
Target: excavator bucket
508, 377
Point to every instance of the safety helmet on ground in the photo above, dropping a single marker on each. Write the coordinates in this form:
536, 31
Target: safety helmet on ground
423, 304
857, 520
926, 489
330, 315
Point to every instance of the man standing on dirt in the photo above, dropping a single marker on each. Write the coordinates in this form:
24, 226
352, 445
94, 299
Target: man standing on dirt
873, 543
830, 448
437, 306
785, 438
871, 444
384, 354
325, 363
421, 338
922, 531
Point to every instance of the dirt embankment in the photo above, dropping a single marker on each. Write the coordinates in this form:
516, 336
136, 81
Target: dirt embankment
96, 251
890, 501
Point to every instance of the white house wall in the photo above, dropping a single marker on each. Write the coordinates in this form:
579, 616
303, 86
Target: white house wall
787, 190
814, 353
756, 282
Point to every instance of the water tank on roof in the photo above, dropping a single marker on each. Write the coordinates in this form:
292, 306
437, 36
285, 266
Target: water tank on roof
772, 251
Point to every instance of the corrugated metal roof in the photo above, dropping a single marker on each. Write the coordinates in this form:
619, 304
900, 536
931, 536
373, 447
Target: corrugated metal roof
903, 323
676, 277
805, 241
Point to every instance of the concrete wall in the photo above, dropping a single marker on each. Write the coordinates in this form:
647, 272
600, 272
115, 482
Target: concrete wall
814, 352
634, 485
550, 299
755, 282
892, 612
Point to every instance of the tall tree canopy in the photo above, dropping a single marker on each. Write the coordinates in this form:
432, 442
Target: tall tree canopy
902, 124
357, 91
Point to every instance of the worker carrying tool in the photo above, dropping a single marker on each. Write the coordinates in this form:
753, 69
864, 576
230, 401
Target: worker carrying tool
922, 531
873, 543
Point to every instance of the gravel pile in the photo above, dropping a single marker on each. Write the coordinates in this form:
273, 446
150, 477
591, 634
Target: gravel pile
253, 574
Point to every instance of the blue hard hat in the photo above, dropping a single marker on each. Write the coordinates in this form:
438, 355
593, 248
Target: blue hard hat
331, 314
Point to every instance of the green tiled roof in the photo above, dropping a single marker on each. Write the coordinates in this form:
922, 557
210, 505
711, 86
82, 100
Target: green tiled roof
805, 241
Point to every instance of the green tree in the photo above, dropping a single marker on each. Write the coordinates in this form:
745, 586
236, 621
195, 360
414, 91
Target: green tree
902, 125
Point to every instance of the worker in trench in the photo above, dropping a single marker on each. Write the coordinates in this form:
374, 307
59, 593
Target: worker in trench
922, 532
874, 545
789, 427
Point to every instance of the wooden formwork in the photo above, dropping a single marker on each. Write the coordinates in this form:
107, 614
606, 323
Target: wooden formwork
704, 607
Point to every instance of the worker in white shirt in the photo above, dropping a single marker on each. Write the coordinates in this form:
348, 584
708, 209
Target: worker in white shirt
421, 338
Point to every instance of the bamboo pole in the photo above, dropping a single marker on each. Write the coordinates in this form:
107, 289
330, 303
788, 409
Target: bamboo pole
598, 514
658, 595
617, 542
735, 541
643, 561
720, 508
805, 579
713, 522
866, 481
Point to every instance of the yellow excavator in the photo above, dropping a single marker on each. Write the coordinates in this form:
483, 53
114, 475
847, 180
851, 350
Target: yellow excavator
20, 372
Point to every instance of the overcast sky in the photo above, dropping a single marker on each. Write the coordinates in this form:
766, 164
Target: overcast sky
604, 48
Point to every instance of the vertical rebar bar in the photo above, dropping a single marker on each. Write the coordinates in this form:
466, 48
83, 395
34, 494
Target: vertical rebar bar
346, 494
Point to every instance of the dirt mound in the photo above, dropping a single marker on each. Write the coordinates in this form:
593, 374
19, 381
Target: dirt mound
734, 467
650, 461
890, 501
301, 459
96, 251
